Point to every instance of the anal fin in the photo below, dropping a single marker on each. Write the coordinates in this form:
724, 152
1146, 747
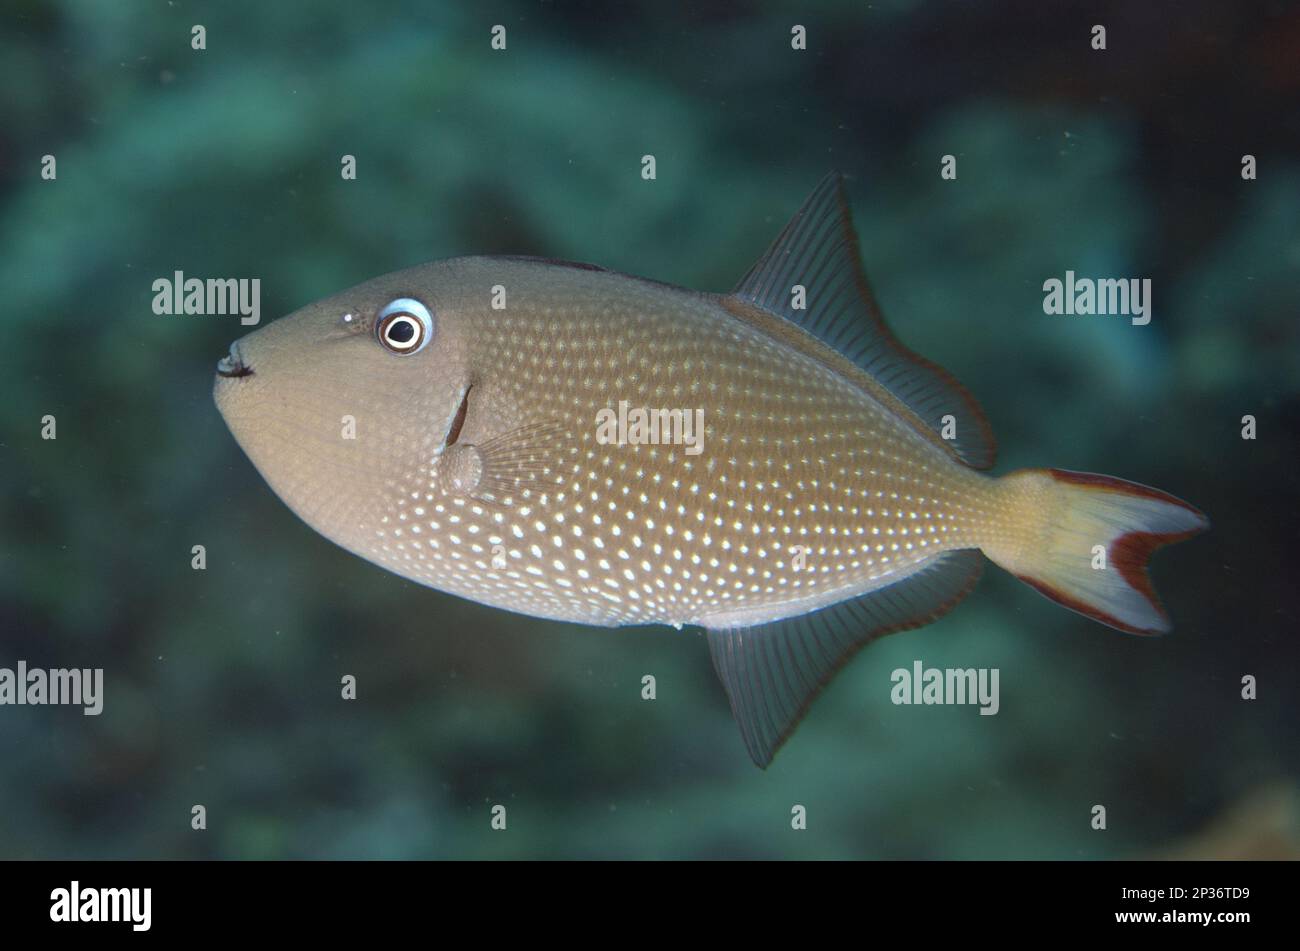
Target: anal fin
773, 672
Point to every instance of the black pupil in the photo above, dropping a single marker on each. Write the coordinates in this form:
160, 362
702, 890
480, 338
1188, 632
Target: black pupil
401, 330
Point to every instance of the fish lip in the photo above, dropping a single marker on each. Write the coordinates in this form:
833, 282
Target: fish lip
232, 365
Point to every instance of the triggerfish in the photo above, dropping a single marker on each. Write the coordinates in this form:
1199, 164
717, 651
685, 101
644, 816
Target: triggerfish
770, 465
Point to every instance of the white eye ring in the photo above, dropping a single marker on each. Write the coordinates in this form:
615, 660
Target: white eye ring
404, 326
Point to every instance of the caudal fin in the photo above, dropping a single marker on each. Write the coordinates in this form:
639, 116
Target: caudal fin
1083, 540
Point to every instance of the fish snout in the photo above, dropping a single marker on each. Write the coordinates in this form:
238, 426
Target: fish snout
232, 364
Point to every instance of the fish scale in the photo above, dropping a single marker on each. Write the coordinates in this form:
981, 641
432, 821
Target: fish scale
450, 423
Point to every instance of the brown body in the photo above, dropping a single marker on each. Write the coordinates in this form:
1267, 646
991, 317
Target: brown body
476, 464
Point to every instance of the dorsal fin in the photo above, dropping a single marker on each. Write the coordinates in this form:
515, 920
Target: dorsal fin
550, 262
773, 672
819, 251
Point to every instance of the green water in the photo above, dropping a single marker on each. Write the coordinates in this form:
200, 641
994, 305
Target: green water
222, 686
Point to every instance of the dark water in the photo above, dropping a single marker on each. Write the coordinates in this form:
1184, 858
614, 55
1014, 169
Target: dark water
222, 686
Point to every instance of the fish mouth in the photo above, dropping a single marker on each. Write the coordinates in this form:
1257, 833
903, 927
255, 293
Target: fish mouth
232, 365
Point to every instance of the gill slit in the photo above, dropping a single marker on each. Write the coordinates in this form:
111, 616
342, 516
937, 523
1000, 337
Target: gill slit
459, 422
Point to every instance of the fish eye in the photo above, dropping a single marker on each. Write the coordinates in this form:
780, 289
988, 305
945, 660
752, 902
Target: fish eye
404, 326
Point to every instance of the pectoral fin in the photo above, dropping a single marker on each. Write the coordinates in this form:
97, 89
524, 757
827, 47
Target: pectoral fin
511, 468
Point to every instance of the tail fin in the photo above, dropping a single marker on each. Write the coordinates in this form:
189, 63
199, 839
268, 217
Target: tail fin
1083, 540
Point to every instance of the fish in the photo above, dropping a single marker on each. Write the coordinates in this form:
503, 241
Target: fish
770, 466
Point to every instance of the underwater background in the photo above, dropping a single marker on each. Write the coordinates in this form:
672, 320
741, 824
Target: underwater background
222, 686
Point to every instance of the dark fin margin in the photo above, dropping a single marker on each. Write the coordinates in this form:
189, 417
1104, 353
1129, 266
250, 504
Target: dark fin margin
819, 249
773, 672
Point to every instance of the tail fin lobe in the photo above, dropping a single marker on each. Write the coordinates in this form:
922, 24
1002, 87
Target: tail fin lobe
1087, 542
